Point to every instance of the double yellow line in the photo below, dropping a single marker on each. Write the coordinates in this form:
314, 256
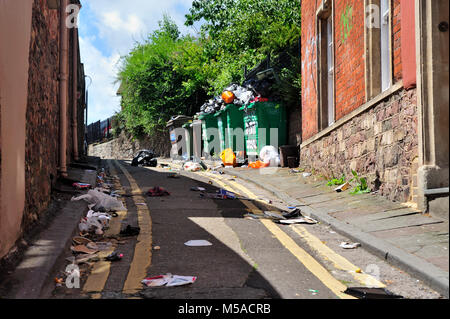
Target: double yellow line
307, 260
143, 250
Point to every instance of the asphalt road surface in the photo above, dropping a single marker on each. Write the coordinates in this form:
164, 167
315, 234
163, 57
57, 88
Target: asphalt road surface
248, 259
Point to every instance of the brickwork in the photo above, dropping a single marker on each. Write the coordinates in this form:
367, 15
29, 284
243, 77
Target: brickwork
42, 143
349, 56
380, 144
309, 69
349, 62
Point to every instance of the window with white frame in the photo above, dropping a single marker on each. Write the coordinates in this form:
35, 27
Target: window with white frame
378, 47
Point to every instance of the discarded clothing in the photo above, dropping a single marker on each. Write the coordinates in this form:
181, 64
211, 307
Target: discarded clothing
157, 192
130, 231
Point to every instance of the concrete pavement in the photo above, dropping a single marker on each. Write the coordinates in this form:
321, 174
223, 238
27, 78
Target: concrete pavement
399, 234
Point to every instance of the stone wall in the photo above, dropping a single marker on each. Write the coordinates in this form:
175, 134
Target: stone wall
125, 146
380, 144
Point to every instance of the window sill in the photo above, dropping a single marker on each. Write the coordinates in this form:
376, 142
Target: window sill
363, 108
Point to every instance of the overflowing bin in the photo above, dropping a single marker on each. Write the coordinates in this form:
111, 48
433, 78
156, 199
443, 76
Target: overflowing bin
265, 123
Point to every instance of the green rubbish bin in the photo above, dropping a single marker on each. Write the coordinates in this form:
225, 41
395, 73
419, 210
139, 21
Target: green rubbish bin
221, 118
234, 132
270, 116
209, 122
189, 142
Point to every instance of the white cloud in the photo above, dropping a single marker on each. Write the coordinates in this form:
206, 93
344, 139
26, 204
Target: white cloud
109, 29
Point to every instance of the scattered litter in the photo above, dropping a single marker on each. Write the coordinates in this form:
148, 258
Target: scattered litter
59, 282
342, 188
358, 271
157, 192
99, 246
302, 220
141, 204
254, 216
306, 175
81, 249
145, 158
294, 213
198, 189
269, 155
371, 293
198, 243
81, 185
226, 194
81, 240
192, 167
313, 292
114, 257
130, 231
99, 201
169, 280
346, 245
156, 248
221, 194
275, 215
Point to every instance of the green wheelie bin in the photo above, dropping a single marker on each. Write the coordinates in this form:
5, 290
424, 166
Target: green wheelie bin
265, 124
209, 128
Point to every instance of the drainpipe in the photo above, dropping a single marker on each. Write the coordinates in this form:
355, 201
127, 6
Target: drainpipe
63, 88
75, 94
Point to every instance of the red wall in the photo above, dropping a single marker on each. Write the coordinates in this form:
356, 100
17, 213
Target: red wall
349, 57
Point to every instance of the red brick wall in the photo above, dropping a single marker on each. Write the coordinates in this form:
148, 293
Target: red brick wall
349, 59
349, 56
396, 40
42, 117
309, 74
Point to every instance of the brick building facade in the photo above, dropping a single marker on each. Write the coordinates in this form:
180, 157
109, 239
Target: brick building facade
363, 105
31, 110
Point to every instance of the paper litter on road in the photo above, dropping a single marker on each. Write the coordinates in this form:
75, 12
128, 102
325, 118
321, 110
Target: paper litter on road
198, 243
169, 280
346, 245
302, 220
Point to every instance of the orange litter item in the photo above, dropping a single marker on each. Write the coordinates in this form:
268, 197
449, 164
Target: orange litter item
228, 97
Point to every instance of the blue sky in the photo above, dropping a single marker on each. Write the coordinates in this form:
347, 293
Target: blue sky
108, 30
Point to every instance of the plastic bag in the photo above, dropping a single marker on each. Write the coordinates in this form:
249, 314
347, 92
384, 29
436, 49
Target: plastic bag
101, 202
228, 157
192, 167
269, 155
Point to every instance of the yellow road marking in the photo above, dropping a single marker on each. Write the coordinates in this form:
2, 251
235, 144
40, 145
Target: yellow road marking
307, 260
338, 261
143, 249
100, 272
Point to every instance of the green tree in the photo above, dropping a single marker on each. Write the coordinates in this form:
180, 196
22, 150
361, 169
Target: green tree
161, 78
241, 33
